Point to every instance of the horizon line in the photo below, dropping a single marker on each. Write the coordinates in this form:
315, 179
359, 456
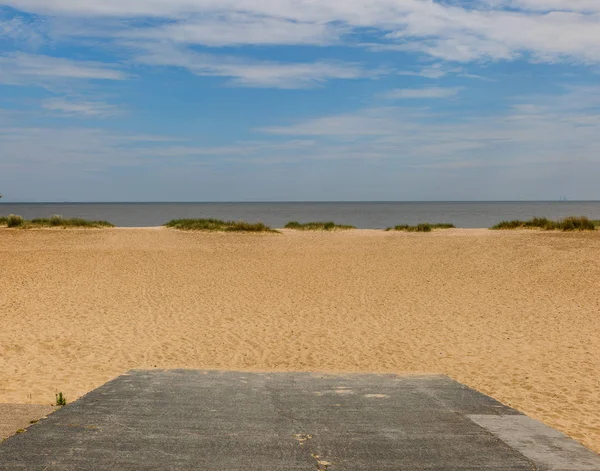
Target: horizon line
299, 202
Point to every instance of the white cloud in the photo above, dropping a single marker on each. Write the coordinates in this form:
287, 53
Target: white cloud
461, 35
542, 141
544, 130
421, 93
586, 6
74, 145
16, 29
25, 69
439, 70
369, 122
70, 107
549, 30
249, 73
433, 71
238, 29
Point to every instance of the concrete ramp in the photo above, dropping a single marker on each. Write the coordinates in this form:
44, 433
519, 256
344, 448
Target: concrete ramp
207, 420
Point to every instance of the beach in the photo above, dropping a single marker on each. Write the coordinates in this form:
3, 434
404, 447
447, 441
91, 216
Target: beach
514, 314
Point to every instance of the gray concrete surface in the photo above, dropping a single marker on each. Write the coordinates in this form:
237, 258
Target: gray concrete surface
201, 420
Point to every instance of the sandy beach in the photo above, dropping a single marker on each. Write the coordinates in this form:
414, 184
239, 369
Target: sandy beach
515, 315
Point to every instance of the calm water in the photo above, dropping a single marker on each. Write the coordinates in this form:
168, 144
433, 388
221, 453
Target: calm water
362, 215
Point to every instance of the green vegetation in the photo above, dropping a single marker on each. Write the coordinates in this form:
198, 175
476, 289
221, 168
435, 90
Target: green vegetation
217, 225
55, 221
424, 227
59, 221
61, 400
317, 226
12, 220
568, 224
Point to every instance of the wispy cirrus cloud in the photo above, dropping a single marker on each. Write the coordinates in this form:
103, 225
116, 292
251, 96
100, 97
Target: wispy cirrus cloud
584, 6
252, 73
78, 107
422, 93
25, 69
433, 71
18, 30
544, 128
536, 129
236, 29
545, 138
439, 70
76, 146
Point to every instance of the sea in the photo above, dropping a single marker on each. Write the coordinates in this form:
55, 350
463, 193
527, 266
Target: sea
364, 215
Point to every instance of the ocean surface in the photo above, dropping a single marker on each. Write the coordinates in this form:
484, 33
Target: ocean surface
364, 215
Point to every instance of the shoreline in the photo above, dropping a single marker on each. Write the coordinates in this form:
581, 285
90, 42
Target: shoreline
290, 231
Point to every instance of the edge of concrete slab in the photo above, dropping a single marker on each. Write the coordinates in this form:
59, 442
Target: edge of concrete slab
548, 448
19, 417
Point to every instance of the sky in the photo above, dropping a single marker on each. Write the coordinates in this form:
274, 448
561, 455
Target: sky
299, 100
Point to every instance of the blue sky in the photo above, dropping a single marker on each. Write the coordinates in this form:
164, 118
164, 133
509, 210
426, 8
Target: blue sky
299, 100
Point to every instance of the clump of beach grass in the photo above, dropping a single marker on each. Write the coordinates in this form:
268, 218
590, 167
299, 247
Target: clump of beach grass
59, 221
217, 225
54, 221
572, 223
12, 220
576, 224
317, 226
423, 227
60, 399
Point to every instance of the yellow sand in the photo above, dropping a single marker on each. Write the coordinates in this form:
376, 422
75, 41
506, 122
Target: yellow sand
513, 314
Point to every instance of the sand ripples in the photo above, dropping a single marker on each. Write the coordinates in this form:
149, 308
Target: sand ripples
515, 315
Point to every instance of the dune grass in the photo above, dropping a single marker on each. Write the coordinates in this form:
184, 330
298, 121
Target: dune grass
216, 225
12, 220
573, 223
317, 226
59, 221
424, 227
54, 221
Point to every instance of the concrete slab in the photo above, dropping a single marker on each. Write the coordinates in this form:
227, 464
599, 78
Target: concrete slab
207, 420
548, 448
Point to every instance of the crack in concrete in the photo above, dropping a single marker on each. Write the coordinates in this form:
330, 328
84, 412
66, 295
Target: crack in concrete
302, 437
322, 465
